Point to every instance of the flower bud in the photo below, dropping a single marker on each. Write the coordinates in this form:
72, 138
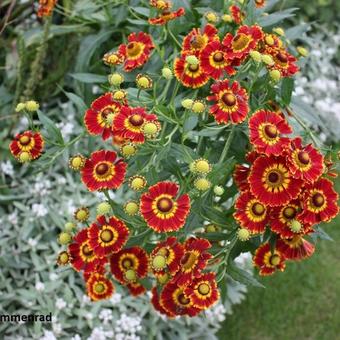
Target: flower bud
243, 234
25, 157
211, 17
69, 226
187, 103
267, 59
116, 79
20, 107
131, 208
31, 106
103, 208
202, 184
256, 56
192, 60
279, 31
275, 75
128, 150
198, 106
64, 238
218, 190
144, 82
167, 73
137, 182
302, 51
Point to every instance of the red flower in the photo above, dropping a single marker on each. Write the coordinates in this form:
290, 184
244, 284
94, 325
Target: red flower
137, 52
103, 171
82, 255
251, 213
236, 14
107, 236
166, 257
270, 44
46, 7
161, 210
99, 118
319, 202
129, 265
197, 39
267, 261
167, 16
295, 248
231, 102
161, 4
272, 183
203, 291
113, 58
240, 176
305, 162
190, 75
266, 129
214, 60
245, 40
28, 141
156, 304
99, 287
129, 122
176, 302
135, 288
260, 3
285, 63
194, 260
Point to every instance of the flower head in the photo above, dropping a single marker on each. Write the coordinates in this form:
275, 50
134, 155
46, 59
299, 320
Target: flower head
99, 287
30, 143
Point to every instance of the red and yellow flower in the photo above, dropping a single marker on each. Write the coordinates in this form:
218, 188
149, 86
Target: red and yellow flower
266, 129
188, 74
260, 3
267, 261
103, 170
240, 176
99, 287
113, 58
285, 63
160, 208
29, 142
231, 102
46, 7
271, 181
136, 288
166, 257
137, 51
305, 161
251, 213
129, 265
99, 117
174, 300
236, 14
245, 40
198, 39
157, 305
214, 60
161, 4
167, 16
82, 255
107, 236
203, 291
270, 44
295, 248
194, 260
319, 202
129, 123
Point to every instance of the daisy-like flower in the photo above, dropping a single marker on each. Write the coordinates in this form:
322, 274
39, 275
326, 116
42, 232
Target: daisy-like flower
270, 44
99, 287
166, 257
231, 102
266, 129
157, 305
245, 40
295, 248
113, 58
194, 260
129, 123
305, 162
161, 4
99, 117
162, 210
271, 181
214, 60
137, 51
267, 261
46, 7
103, 171
107, 236
251, 213
174, 300
236, 14
63, 258
28, 142
190, 75
81, 253
282, 218
203, 291
198, 39
285, 63
129, 265
319, 202
167, 16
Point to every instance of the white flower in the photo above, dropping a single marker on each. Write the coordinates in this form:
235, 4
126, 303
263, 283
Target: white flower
39, 286
116, 298
7, 168
86, 300
60, 303
57, 328
97, 334
53, 276
89, 316
48, 335
106, 315
76, 337
32, 242
66, 129
13, 218
39, 210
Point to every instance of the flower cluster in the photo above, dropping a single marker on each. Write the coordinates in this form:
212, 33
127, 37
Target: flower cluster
46, 7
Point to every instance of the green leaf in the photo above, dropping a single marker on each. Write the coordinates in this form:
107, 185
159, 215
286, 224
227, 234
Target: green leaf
242, 276
287, 90
275, 18
89, 77
76, 100
321, 234
182, 153
52, 130
216, 216
190, 123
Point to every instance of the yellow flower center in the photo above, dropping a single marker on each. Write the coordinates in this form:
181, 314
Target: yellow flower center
204, 289
303, 157
229, 99
136, 120
318, 200
240, 42
159, 262
24, 140
258, 209
189, 259
106, 236
289, 212
87, 251
183, 300
165, 204
130, 275
275, 260
99, 288
218, 57
271, 131
127, 263
133, 49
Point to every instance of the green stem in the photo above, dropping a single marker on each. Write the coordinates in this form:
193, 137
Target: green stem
227, 145
174, 38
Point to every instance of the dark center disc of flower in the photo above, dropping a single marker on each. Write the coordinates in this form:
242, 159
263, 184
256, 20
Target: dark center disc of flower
218, 57
166, 12
188, 260
275, 260
133, 49
102, 169
136, 120
99, 288
271, 131
303, 157
204, 289
165, 204
197, 41
193, 68
258, 209
318, 200
240, 41
24, 140
183, 300
229, 99
282, 58
106, 235
86, 250
273, 177
127, 263
289, 212
106, 112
